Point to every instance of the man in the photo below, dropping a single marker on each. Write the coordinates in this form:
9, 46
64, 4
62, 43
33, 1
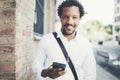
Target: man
78, 48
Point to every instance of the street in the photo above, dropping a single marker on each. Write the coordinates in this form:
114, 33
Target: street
102, 74
104, 55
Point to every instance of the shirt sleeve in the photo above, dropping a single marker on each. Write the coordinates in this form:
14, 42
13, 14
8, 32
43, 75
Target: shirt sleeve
89, 65
39, 58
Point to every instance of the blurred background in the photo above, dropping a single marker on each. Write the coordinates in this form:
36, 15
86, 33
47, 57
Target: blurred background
101, 25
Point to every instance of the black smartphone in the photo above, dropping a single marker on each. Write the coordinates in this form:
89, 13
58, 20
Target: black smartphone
59, 65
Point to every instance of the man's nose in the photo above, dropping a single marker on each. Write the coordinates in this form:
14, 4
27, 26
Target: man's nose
69, 21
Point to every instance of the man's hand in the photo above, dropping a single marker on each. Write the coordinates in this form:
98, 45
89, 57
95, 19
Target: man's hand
52, 72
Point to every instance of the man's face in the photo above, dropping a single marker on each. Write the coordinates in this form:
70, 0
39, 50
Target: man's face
70, 19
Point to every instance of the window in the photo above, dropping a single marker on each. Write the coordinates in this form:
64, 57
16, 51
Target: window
117, 18
39, 17
117, 28
116, 10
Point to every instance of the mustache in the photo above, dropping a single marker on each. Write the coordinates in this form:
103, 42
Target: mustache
66, 25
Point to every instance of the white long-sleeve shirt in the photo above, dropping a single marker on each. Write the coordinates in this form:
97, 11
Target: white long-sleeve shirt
79, 50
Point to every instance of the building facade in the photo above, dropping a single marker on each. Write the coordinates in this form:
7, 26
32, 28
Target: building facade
21, 25
116, 25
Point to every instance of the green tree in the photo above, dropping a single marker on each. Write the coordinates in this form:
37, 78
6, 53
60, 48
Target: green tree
93, 26
108, 29
95, 30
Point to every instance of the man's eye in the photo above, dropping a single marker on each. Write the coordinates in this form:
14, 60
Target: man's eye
75, 17
64, 17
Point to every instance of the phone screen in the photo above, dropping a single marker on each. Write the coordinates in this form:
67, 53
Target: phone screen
59, 65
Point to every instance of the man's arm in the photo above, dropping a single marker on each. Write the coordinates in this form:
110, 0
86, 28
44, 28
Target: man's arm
39, 58
40, 61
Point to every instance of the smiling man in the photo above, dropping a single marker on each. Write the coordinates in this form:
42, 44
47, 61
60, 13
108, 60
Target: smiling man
79, 49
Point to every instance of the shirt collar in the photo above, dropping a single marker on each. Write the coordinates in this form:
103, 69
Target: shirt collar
60, 35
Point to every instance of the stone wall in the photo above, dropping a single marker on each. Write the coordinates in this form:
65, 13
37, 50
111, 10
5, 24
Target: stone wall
24, 39
17, 43
16, 39
7, 39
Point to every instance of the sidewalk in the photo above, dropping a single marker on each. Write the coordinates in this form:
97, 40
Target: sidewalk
104, 75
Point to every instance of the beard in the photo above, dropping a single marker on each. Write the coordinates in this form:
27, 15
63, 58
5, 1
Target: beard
66, 31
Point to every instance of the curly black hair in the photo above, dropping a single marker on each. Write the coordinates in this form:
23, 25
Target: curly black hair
69, 3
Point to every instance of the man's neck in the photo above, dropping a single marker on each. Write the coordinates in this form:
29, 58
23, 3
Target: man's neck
69, 37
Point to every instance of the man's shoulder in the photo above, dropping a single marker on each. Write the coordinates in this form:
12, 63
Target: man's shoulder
47, 36
83, 39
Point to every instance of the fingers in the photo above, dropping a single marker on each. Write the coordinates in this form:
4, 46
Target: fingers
59, 69
54, 75
61, 73
55, 72
50, 67
55, 69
